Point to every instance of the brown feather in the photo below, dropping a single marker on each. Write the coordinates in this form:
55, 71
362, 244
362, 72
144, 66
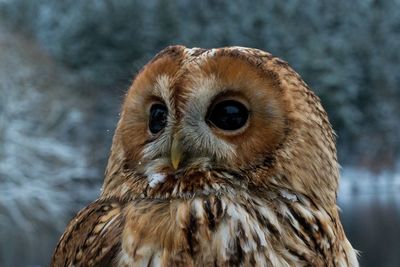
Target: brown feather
93, 237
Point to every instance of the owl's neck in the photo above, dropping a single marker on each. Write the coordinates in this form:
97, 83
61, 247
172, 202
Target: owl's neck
236, 229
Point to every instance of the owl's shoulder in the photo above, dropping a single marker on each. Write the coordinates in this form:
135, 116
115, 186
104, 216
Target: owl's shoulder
93, 237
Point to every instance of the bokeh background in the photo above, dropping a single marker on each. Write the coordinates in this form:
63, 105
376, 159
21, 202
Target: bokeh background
65, 67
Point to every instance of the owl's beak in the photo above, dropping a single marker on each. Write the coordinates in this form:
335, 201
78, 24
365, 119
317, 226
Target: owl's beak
176, 152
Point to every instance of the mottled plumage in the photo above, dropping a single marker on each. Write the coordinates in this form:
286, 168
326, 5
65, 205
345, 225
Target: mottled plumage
196, 194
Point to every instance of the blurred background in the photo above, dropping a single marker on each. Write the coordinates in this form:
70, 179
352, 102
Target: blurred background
65, 67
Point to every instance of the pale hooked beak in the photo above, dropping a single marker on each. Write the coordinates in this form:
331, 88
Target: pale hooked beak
176, 151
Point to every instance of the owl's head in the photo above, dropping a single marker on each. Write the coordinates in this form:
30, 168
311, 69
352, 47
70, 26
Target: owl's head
198, 121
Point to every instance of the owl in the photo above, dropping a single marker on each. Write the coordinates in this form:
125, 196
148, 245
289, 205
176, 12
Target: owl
221, 157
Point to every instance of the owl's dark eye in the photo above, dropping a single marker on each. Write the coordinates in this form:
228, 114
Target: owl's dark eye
158, 117
228, 115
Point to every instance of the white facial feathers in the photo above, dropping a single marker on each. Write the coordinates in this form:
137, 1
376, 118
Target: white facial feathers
197, 138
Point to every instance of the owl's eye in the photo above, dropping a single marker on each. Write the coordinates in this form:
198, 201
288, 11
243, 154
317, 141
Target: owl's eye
228, 115
158, 117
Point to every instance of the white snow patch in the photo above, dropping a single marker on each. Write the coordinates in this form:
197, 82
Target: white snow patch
363, 185
155, 179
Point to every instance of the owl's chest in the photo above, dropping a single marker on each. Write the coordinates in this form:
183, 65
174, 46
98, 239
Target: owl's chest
201, 232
